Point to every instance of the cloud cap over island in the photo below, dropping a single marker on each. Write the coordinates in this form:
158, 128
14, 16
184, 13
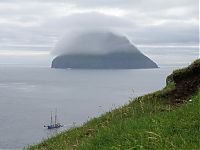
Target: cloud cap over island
99, 49
96, 41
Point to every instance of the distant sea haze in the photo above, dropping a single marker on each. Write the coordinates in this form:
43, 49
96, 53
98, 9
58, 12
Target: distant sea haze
162, 55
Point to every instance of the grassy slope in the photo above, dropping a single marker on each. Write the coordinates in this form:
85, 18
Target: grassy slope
149, 122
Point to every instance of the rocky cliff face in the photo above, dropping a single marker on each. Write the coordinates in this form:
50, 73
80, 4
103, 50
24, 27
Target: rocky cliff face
106, 61
187, 82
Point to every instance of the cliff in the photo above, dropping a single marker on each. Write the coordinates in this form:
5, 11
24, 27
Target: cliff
118, 60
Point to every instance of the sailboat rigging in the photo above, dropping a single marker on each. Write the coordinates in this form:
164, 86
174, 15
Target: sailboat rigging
54, 124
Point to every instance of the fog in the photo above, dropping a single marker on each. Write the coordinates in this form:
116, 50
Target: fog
93, 41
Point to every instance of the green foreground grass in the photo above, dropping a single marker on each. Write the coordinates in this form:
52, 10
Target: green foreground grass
148, 122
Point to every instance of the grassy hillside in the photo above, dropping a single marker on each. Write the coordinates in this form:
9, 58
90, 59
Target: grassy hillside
166, 119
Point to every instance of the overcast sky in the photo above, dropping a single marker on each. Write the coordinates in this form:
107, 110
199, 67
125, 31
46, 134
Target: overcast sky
39, 24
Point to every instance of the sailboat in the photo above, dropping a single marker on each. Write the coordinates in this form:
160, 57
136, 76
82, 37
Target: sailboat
54, 124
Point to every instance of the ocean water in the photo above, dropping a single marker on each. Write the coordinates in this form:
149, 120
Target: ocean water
28, 93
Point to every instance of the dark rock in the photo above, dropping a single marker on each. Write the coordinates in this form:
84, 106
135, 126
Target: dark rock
118, 60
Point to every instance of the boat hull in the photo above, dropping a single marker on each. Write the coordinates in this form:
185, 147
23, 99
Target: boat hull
54, 126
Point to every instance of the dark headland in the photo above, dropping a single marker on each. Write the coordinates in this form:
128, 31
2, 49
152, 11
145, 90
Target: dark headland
117, 60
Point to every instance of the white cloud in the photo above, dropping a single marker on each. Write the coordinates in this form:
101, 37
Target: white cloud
152, 21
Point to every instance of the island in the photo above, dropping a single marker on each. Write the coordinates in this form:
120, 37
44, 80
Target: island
102, 50
117, 60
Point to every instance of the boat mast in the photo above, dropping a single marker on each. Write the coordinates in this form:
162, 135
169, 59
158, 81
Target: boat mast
55, 116
51, 118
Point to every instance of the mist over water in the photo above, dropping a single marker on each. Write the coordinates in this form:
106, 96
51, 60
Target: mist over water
162, 55
171, 56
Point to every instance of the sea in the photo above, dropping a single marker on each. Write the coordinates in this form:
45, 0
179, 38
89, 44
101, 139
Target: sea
30, 90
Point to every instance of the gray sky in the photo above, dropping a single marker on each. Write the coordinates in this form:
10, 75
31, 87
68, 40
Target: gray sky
39, 24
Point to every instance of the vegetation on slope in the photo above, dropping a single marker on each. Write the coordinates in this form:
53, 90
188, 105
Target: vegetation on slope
154, 121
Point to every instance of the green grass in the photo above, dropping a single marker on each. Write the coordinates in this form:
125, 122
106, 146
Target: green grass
148, 122
143, 124
178, 129
193, 68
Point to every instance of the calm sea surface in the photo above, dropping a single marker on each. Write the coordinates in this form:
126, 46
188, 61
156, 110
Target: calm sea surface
28, 95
